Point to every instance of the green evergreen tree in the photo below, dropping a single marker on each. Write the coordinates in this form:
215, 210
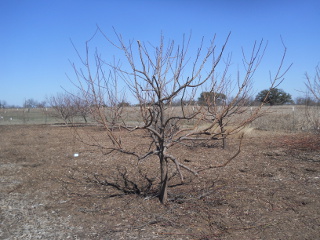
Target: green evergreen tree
274, 97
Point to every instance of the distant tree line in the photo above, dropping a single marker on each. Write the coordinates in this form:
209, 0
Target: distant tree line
270, 97
31, 103
63, 101
308, 101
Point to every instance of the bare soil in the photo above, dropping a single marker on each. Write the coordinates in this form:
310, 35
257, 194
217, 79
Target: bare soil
270, 191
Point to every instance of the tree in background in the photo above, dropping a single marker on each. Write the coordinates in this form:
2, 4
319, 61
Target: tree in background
3, 104
313, 85
274, 96
313, 91
207, 97
64, 107
307, 100
158, 77
30, 103
80, 107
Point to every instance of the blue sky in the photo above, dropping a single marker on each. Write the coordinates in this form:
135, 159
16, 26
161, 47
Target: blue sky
35, 46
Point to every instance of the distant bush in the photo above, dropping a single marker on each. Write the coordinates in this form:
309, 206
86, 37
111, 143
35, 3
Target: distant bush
211, 98
124, 104
274, 96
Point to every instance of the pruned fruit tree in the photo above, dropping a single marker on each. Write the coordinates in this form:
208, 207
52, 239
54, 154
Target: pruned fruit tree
156, 78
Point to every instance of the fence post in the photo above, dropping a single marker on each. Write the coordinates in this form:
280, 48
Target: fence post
293, 122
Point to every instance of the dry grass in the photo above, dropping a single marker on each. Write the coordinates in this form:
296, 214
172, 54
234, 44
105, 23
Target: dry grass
286, 118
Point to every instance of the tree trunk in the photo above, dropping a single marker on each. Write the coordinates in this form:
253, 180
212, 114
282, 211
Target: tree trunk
163, 196
224, 140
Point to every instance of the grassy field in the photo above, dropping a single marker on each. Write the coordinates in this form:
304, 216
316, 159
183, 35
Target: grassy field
26, 116
14, 116
286, 118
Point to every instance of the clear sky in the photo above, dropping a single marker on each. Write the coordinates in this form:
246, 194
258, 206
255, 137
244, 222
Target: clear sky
35, 46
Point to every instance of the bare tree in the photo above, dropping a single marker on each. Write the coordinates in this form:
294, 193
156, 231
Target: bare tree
64, 107
81, 107
313, 88
313, 85
158, 77
3, 104
30, 103
67, 106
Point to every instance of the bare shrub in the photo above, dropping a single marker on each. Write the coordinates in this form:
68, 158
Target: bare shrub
313, 87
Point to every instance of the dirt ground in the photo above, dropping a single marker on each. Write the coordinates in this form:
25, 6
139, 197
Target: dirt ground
270, 191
